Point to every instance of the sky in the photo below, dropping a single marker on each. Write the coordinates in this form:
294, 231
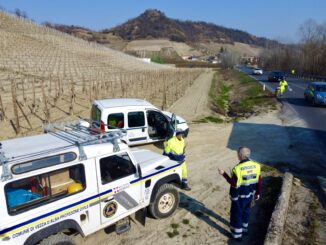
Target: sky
275, 19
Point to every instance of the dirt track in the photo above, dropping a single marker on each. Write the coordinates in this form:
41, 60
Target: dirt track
194, 103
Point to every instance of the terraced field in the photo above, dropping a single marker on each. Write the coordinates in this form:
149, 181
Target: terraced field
46, 75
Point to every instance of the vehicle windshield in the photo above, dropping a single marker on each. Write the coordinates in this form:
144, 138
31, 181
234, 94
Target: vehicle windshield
95, 114
321, 88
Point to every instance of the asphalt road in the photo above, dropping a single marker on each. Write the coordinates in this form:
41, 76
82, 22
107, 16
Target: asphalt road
314, 117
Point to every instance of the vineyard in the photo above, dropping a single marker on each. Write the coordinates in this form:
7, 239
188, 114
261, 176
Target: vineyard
46, 75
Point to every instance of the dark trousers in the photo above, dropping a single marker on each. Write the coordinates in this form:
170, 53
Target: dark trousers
239, 220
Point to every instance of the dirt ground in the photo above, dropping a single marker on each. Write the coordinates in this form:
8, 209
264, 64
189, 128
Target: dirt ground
206, 206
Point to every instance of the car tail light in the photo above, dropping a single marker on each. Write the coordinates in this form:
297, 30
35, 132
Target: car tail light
102, 126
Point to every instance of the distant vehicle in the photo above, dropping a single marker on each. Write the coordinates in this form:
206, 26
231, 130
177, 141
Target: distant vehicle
144, 122
276, 76
257, 71
315, 93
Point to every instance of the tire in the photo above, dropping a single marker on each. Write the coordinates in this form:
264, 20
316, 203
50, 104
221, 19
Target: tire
165, 203
58, 239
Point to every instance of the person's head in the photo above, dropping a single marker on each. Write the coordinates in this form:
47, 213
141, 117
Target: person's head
179, 134
243, 153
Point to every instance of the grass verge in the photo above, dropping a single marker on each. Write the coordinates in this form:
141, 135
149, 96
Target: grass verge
313, 223
236, 95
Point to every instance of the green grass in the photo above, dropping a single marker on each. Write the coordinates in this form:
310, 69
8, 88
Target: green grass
242, 98
222, 101
185, 221
313, 223
267, 169
207, 119
254, 95
271, 193
157, 59
170, 234
219, 94
175, 226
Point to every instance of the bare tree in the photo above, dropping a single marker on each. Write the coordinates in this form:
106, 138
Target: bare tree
307, 57
20, 13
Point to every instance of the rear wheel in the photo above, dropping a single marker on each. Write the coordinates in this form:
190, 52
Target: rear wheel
58, 239
165, 203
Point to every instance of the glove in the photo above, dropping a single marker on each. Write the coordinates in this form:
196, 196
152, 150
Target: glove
257, 197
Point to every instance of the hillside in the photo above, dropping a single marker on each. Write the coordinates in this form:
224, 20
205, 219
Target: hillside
153, 24
47, 75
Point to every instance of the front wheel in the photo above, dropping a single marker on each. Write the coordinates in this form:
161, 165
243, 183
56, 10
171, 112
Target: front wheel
165, 203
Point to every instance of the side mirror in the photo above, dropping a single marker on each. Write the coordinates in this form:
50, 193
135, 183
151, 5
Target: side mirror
174, 121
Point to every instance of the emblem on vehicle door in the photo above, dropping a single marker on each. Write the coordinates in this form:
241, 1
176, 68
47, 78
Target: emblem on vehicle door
110, 209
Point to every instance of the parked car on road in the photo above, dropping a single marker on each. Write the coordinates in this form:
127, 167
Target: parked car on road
315, 93
144, 122
276, 76
257, 71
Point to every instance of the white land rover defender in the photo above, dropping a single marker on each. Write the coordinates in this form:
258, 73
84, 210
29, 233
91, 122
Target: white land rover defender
144, 122
73, 180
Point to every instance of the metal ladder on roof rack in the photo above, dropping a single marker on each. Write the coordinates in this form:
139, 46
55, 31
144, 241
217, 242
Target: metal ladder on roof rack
79, 135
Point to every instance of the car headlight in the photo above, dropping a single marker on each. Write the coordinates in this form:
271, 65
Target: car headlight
319, 97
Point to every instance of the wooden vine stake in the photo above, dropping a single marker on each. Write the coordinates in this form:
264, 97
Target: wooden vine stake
72, 98
164, 102
2, 110
14, 100
46, 109
34, 97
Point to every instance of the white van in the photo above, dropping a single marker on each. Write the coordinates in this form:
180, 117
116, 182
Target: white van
72, 180
144, 122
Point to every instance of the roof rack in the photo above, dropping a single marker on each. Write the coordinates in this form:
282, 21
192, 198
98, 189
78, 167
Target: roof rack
78, 134
74, 133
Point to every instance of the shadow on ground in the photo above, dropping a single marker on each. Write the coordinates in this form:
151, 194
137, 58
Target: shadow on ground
201, 212
296, 149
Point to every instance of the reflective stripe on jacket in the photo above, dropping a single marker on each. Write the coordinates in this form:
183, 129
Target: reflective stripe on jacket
248, 174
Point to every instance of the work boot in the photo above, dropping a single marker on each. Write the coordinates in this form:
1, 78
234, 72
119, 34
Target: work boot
185, 186
239, 239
